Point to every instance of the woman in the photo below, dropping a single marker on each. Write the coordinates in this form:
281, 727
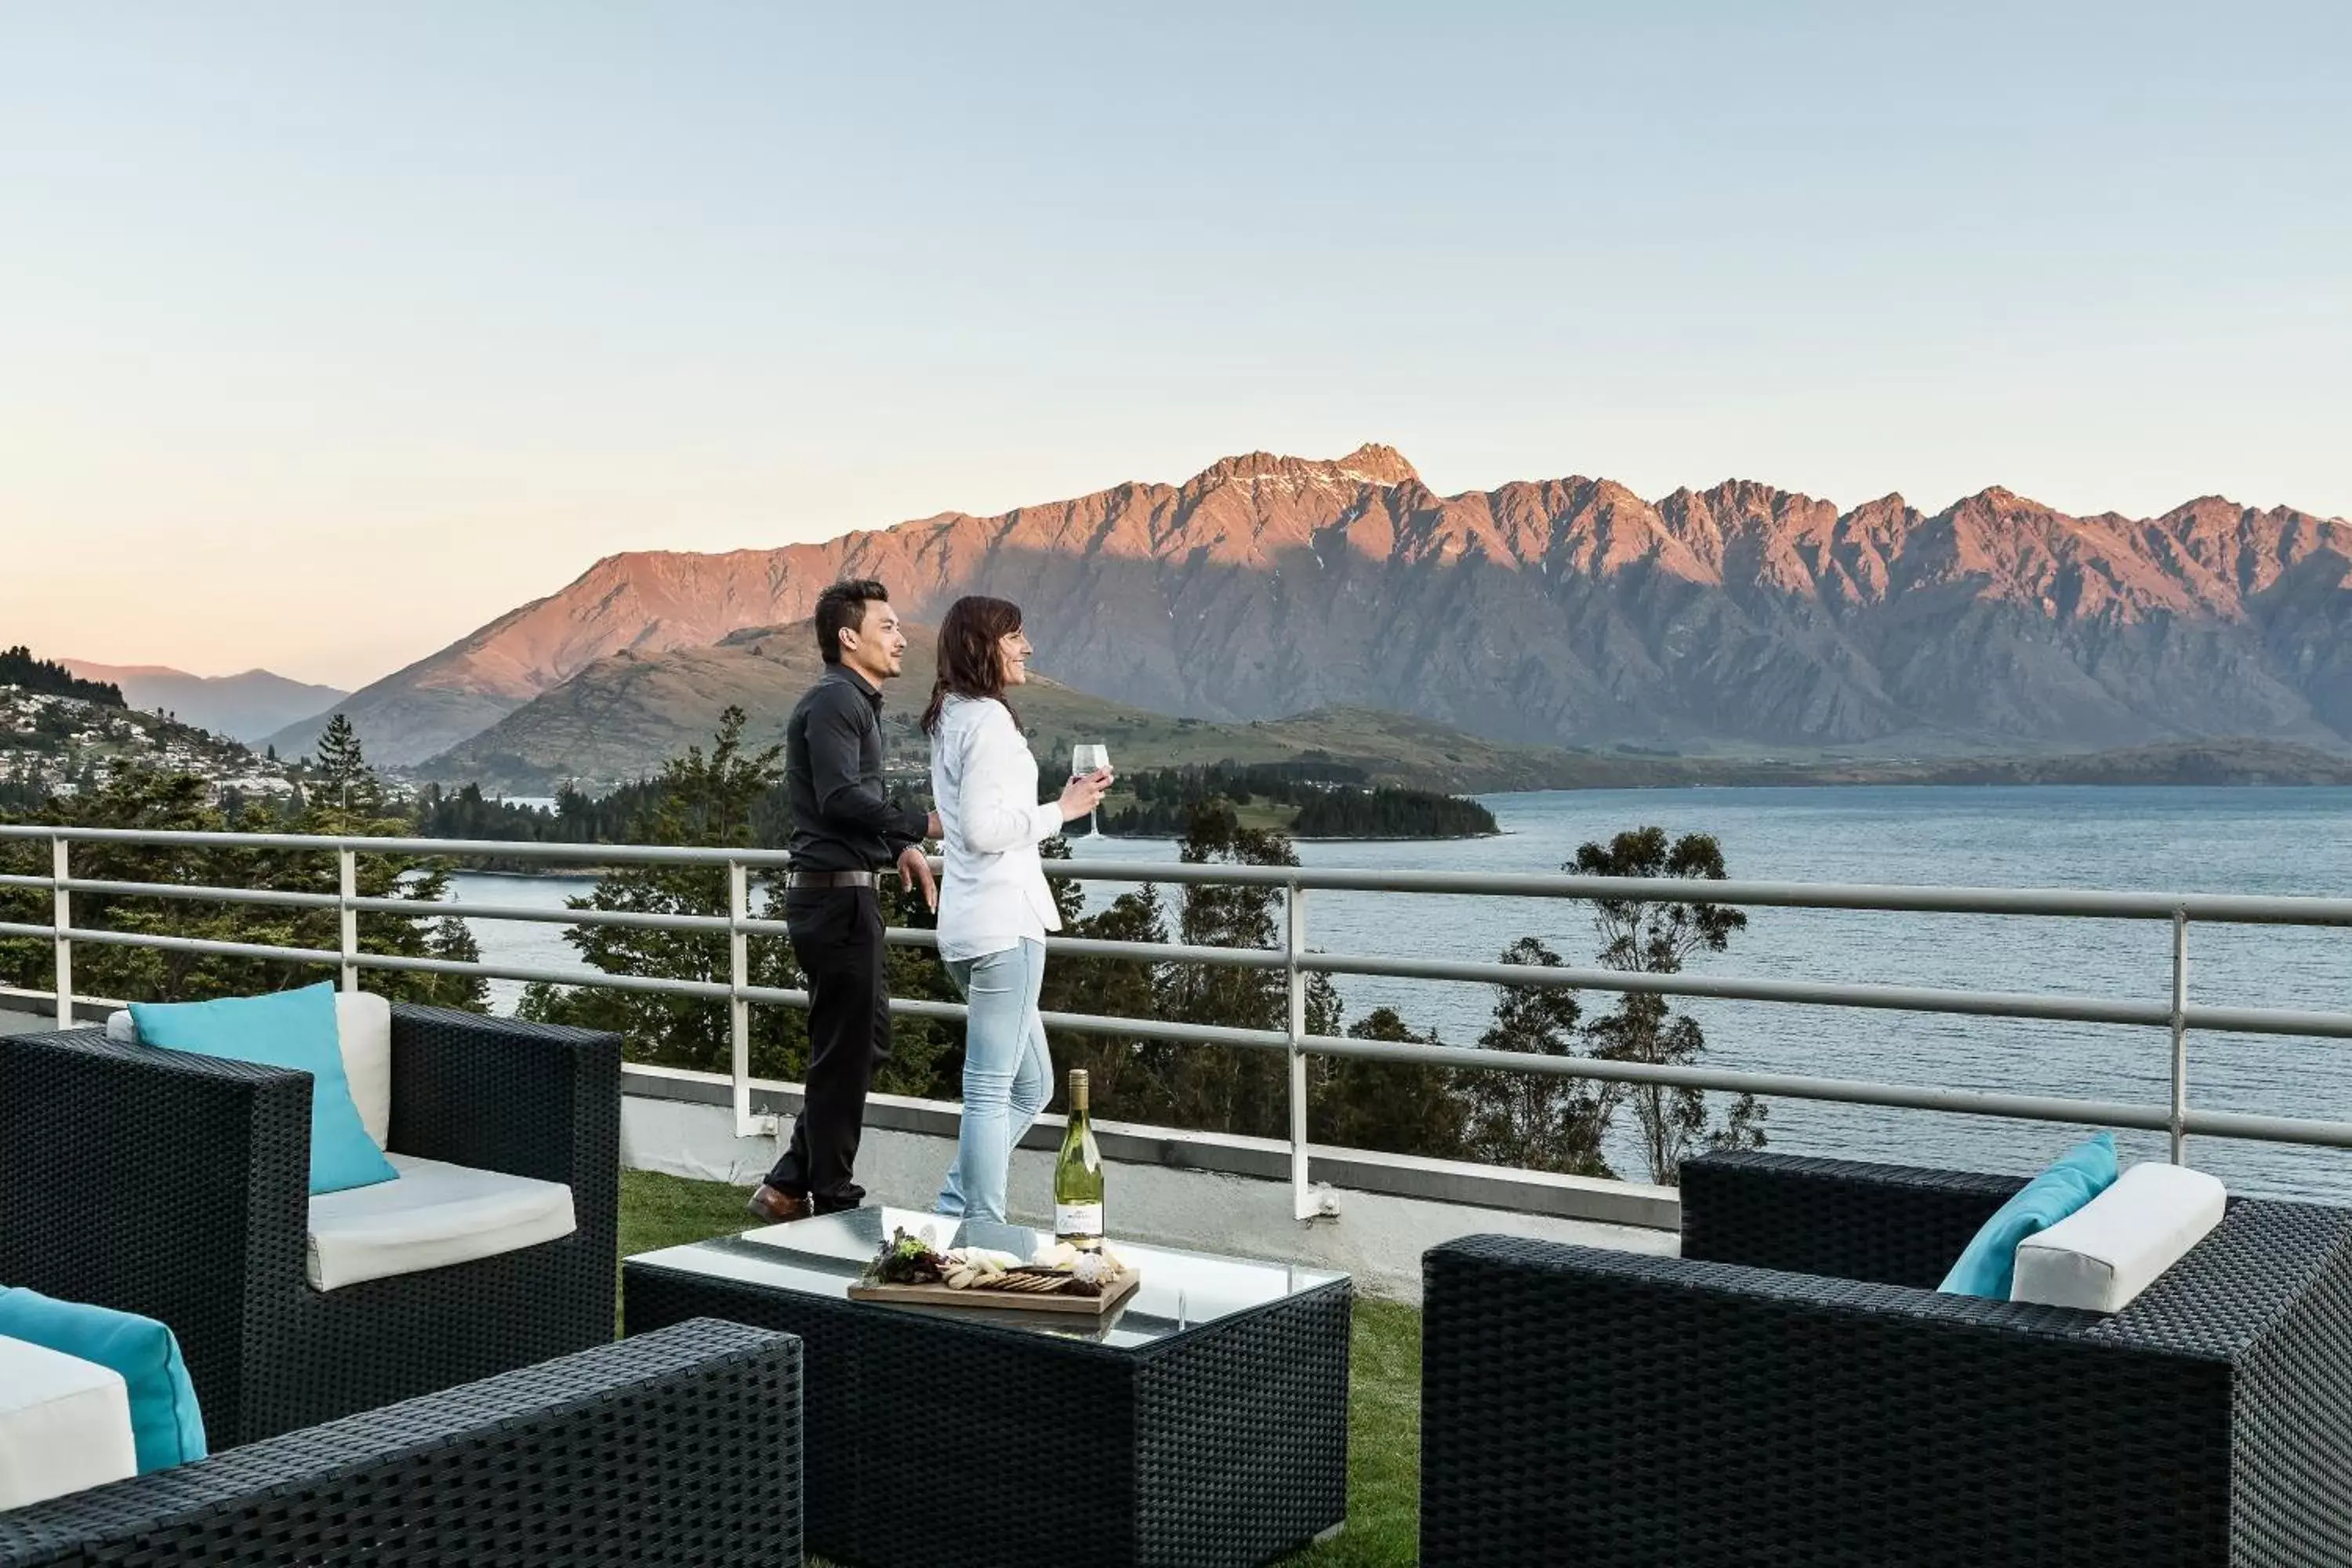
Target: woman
994, 906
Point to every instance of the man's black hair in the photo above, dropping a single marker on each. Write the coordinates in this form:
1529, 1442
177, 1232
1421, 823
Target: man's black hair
841, 608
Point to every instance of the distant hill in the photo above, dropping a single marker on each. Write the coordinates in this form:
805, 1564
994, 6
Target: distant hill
248, 706
621, 717
2240, 761
1546, 611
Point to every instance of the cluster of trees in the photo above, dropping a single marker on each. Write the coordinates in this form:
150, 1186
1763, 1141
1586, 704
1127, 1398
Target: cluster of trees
1390, 812
467, 813
347, 800
1241, 783
623, 816
19, 667
729, 796
1544, 1121
1329, 800
22, 789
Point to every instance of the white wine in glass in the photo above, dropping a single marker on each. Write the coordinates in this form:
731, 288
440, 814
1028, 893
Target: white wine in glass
1086, 761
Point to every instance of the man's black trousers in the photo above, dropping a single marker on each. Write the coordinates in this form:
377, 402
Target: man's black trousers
838, 939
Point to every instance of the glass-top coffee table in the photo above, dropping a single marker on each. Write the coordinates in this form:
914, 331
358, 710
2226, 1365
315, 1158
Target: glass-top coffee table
1202, 1421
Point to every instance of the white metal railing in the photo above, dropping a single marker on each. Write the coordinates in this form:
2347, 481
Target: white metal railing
2174, 1015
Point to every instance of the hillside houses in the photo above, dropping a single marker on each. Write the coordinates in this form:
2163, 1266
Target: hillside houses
63, 746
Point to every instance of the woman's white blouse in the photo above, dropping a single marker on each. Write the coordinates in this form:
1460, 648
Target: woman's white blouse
984, 782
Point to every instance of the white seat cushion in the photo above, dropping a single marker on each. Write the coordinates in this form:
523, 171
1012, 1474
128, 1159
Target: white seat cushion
363, 1030
2115, 1245
436, 1214
65, 1425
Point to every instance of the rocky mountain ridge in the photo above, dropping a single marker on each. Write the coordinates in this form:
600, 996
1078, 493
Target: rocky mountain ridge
1567, 611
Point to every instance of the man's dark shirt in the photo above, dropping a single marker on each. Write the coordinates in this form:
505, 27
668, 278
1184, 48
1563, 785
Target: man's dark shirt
843, 819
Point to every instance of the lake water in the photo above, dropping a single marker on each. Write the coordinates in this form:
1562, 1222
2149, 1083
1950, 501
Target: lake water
2284, 841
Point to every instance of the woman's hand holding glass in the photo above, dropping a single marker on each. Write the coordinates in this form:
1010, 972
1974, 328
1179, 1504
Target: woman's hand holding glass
1085, 793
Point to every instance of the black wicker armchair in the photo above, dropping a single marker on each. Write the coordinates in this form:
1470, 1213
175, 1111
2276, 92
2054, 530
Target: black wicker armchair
681, 1447
1793, 1391
176, 1185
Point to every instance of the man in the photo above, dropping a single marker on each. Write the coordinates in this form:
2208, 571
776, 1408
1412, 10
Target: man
844, 829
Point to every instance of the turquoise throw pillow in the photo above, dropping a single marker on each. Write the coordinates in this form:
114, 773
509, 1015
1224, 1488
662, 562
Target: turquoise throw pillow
166, 1427
1990, 1261
286, 1029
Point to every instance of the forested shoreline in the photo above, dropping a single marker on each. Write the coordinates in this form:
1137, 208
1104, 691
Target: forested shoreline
1305, 800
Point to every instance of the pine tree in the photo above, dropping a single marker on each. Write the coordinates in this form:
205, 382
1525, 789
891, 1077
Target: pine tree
347, 800
340, 777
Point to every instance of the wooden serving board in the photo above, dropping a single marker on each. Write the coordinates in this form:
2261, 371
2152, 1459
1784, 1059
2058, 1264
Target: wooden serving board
939, 1295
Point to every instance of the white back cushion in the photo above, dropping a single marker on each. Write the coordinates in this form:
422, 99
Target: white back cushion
364, 1023
436, 1214
364, 1029
2114, 1247
65, 1425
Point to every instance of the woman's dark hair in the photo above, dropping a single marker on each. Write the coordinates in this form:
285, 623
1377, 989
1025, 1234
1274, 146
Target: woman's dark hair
970, 665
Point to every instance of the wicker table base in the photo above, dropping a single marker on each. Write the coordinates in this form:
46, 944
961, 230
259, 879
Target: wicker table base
1205, 1424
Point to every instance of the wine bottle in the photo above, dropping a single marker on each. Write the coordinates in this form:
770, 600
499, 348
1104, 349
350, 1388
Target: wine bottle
1078, 1175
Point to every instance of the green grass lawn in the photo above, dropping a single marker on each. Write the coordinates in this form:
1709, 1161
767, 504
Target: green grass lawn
1384, 1403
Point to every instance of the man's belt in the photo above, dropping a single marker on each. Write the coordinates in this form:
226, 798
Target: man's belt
831, 879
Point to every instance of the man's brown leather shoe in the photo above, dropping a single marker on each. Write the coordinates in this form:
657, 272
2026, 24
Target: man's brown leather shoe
777, 1207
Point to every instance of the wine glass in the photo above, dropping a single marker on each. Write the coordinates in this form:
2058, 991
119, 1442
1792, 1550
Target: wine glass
1086, 760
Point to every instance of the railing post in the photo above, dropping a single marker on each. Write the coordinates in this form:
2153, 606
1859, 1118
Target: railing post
739, 1006
347, 878
2180, 1034
61, 922
1302, 1198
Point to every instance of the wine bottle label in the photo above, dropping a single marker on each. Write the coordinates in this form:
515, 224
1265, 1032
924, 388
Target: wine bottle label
1077, 1219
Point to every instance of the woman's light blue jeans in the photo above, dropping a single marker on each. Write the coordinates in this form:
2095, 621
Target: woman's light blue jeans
1008, 1075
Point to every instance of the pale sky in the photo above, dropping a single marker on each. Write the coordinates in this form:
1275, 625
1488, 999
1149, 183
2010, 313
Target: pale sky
328, 332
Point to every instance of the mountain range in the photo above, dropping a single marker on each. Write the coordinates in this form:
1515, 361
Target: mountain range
1550, 612
246, 707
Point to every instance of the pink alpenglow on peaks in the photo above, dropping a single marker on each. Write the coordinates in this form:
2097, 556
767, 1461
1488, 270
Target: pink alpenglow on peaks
1559, 610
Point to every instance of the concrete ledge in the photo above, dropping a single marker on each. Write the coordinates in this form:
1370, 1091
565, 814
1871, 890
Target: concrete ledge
1454, 1182
31, 1012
